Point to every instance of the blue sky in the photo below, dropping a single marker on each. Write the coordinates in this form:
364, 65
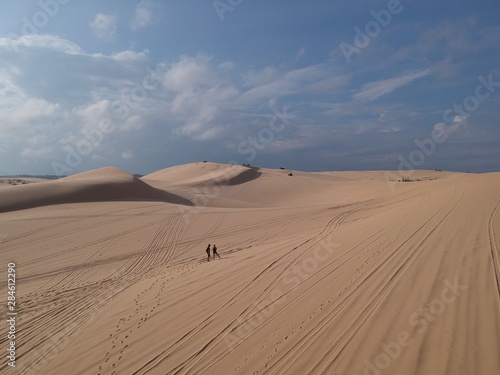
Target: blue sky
316, 85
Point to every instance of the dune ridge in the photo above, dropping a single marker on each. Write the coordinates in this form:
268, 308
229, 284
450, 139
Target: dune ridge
205, 173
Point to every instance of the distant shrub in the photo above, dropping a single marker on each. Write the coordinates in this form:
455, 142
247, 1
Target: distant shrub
408, 179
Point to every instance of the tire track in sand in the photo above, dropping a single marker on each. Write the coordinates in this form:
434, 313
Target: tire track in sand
376, 300
493, 244
338, 262
168, 234
331, 226
154, 362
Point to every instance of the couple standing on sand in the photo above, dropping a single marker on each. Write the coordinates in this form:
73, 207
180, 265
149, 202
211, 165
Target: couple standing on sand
214, 249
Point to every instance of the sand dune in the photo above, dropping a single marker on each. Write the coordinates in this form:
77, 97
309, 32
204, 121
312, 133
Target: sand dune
104, 184
222, 185
321, 273
203, 174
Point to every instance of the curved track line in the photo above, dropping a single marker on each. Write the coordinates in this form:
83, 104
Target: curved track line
375, 302
335, 223
493, 245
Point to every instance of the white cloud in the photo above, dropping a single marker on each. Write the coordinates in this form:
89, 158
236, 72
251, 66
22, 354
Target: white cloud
196, 100
189, 74
68, 95
132, 122
198, 110
198, 96
129, 56
375, 90
193, 98
143, 16
29, 110
48, 42
458, 125
390, 129
204, 99
91, 114
20, 111
281, 84
103, 26
36, 153
129, 154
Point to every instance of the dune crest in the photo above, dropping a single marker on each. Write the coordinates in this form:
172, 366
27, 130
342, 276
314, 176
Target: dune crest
106, 173
205, 173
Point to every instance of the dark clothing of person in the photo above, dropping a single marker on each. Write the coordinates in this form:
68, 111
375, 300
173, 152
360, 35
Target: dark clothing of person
214, 249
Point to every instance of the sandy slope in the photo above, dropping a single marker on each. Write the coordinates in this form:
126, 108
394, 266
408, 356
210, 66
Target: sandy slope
104, 184
321, 273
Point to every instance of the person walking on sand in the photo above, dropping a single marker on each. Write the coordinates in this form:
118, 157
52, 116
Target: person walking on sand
214, 249
208, 252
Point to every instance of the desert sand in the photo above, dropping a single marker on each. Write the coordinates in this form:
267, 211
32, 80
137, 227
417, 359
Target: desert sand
320, 273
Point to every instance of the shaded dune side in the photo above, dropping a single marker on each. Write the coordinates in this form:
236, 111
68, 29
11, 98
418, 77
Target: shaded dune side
197, 174
245, 176
104, 184
230, 176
